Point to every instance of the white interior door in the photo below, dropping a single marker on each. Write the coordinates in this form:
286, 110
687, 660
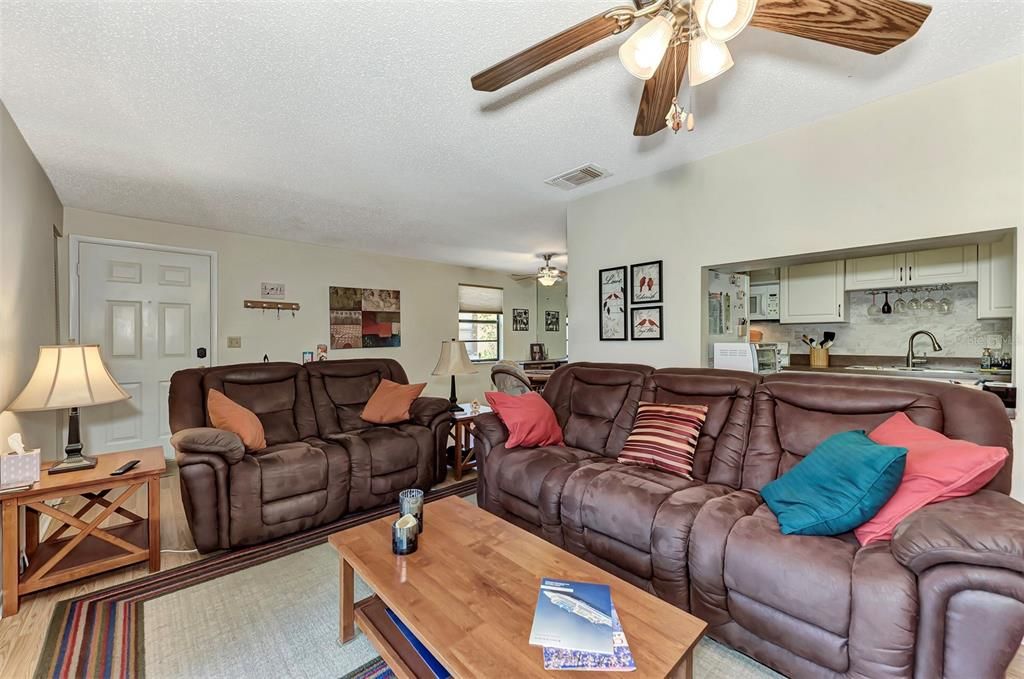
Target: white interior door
151, 313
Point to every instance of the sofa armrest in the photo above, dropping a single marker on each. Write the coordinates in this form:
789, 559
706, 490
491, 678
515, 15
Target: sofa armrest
426, 409
984, 529
209, 441
490, 428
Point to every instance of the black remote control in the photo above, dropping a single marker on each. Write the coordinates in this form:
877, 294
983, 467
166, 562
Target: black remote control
126, 467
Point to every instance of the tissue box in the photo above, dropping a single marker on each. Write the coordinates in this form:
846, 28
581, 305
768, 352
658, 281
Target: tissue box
18, 471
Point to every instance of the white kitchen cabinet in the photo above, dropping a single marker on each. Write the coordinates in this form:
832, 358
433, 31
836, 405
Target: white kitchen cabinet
957, 264
997, 279
813, 293
880, 271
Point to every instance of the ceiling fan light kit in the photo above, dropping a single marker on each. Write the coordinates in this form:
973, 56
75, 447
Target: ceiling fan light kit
708, 59
722, 20
692, 33
642, 53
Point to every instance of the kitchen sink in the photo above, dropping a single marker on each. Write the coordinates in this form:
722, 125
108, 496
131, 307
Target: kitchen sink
916, 369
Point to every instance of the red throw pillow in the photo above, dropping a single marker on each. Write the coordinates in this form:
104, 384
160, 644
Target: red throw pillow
938, 468
530, 420
664, 436
390, 402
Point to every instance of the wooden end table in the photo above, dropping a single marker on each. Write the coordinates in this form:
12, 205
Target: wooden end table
63, 557
462, 434
481, 628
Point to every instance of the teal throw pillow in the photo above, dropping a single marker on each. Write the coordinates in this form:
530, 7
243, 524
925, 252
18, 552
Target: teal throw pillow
839, 486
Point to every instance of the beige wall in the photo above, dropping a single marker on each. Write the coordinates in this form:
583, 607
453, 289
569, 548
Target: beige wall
429, 295
941, 160
29, 210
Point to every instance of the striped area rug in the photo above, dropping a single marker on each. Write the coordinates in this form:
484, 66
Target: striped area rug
101, 634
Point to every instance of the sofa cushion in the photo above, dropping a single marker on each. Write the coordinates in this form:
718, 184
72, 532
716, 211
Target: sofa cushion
390, 402
227, 415
391, 449
938, 468
530, 420
839, 486
664, 436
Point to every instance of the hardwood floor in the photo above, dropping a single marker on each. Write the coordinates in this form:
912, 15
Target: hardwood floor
22, 634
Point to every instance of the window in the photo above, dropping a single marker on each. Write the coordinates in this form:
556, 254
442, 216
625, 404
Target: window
480, 325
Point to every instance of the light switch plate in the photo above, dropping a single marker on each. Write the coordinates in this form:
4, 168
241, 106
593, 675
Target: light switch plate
234, 342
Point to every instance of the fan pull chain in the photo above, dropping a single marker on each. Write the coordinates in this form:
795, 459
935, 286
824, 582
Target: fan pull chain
674, 117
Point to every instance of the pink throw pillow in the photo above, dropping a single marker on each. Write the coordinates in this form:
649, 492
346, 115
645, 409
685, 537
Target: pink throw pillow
530, 420
938, 468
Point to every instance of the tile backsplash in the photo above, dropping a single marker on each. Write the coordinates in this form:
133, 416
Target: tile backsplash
959, 332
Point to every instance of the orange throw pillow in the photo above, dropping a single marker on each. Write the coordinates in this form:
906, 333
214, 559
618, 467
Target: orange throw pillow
227, 415
390, 402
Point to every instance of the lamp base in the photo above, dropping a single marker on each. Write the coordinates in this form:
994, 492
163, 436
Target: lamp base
72, 463
73, 460
456, 408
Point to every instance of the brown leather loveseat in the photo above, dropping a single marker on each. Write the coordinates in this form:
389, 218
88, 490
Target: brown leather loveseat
321, 461
944, 598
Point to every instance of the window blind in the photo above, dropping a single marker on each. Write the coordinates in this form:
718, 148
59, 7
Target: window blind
481, 300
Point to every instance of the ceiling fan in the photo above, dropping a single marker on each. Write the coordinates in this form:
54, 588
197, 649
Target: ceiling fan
681, 34
546, 275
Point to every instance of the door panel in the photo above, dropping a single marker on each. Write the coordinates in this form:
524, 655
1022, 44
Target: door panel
957, 264
148, 310
813, 293
864, 273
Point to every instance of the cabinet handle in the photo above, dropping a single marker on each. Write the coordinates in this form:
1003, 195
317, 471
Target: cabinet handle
911, 273
840, 311
901, 274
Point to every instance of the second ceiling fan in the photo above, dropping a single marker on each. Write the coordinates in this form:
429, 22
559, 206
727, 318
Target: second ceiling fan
681, 34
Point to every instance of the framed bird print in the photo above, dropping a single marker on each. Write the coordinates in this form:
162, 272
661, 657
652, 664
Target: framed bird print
645, 283
612, 291
647, 324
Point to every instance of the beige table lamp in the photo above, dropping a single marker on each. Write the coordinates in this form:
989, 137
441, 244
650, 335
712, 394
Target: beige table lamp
69, 376
454, 360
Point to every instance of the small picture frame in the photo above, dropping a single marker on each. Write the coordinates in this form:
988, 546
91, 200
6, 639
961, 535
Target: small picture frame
321, 352
645, 283
551, 321
307, 357
612, 304
647, 323
538, 352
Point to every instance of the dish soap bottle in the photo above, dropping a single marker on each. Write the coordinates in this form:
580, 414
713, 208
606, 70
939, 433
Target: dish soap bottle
986, 359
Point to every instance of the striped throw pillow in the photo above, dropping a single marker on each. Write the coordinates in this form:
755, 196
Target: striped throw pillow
664, 436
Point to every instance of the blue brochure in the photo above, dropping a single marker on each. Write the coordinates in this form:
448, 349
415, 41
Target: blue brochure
576, 616
437, 668
620, 660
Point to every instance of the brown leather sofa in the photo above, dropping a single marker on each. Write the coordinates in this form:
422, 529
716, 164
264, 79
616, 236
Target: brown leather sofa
944, 598
321, 461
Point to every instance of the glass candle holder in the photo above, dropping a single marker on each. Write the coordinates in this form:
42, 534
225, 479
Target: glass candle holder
404, 533
411, 502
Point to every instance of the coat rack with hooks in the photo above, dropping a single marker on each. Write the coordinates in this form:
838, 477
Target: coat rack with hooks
267, 305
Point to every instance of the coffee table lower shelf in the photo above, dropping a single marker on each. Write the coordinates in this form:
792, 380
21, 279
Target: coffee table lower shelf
371, 616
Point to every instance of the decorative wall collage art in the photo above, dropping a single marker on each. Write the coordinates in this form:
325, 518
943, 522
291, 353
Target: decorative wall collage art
551, 321
520, 320
365, 318
645, 289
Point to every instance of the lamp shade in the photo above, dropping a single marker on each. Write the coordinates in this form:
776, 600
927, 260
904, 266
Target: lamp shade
708, 59
723, 19
454, 359
68, 376
644, 50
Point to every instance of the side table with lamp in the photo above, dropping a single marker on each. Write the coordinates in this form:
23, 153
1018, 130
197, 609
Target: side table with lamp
74, 376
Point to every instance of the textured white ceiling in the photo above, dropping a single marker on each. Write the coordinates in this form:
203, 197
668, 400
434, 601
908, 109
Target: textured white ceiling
353, 123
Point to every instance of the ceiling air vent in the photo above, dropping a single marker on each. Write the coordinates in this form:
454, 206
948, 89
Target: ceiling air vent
579, 176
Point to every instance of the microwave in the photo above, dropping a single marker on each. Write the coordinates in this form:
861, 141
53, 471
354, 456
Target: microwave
764, 302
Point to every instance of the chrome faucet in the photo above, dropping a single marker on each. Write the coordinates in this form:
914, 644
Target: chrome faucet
913, 360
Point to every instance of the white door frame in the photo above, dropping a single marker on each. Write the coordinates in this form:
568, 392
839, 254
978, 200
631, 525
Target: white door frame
73, 282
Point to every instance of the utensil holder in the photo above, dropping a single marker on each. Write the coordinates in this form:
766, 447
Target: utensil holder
819, 357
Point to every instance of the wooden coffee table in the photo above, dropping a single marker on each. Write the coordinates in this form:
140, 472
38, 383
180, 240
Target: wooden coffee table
468, 593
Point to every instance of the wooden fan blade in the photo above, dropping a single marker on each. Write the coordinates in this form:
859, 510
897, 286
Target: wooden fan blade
871, 26
659, 90
548, 51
